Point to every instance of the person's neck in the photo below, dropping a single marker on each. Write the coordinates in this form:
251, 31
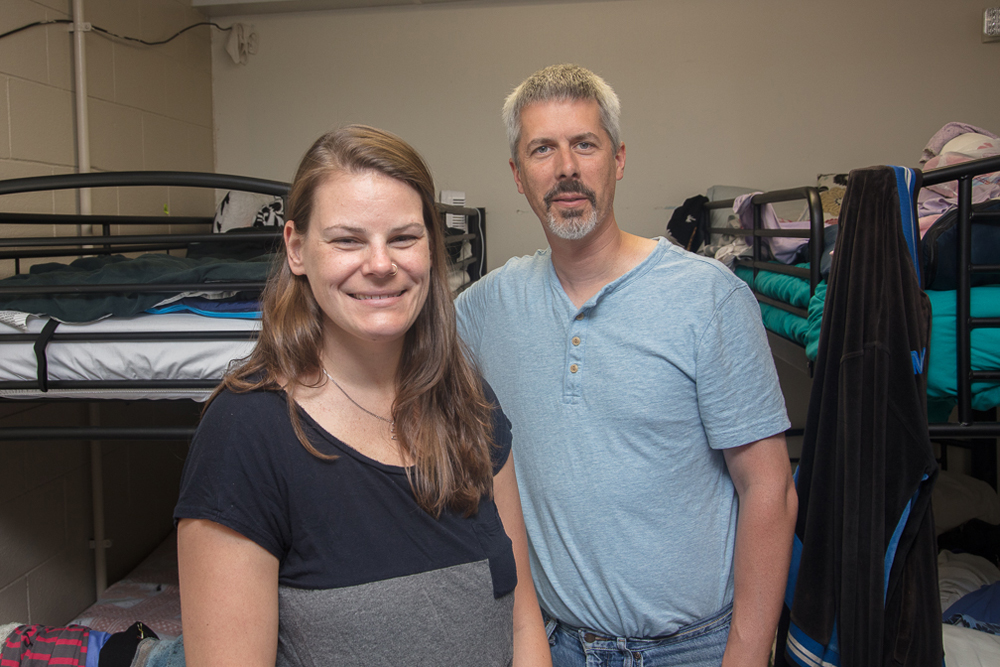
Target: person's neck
361, 363
586, 265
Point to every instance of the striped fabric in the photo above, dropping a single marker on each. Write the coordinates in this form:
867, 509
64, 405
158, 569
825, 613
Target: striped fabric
39, 645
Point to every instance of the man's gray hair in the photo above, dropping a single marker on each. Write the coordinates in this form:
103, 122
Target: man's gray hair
562, 82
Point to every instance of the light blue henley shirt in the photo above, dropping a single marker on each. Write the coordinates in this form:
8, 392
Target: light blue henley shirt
620, 410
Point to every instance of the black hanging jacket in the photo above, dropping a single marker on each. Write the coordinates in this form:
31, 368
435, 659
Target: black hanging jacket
862, 589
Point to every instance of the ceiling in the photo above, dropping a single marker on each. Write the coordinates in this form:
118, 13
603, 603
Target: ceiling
238, 7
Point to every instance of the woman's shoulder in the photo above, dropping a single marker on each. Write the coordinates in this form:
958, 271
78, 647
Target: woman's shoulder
255, 404
488, 393
242, 418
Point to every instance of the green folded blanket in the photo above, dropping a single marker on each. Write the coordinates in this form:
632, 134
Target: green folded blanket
149, 269
942, 383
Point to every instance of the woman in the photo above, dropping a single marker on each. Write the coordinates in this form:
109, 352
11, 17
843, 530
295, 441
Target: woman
342, 499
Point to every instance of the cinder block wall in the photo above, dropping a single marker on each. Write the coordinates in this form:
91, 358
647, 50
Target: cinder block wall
150, 107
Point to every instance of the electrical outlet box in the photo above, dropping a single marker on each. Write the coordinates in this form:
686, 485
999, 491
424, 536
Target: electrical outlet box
991, 24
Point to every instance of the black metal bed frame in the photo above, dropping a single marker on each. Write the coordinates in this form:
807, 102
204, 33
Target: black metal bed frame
757, 261
979, 437
18, 248
974, 431
783, 348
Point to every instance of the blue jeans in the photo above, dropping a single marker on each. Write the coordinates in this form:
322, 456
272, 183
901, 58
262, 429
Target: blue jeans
700, 644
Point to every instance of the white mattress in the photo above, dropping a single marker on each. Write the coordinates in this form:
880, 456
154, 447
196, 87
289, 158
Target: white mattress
126, 360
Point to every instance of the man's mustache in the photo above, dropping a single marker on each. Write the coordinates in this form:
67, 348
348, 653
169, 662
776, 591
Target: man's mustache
570, 186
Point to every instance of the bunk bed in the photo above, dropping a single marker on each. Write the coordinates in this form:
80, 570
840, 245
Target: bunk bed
128, 345
792, 299
796, 294
121, 349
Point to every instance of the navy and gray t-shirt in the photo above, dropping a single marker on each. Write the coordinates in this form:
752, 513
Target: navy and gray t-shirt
366, 576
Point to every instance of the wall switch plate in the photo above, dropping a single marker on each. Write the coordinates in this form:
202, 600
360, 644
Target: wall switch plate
991, 24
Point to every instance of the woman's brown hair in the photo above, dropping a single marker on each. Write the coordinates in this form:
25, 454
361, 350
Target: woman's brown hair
443, 420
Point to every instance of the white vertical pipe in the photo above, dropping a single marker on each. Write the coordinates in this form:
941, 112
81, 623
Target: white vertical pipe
83, 167
82, 120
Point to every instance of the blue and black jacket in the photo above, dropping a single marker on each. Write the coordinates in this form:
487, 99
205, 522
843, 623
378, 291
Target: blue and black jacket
862, 590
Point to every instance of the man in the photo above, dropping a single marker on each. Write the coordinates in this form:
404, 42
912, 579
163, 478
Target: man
646, 412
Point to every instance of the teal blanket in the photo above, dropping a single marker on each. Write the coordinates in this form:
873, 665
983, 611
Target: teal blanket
788, 289
154, 268
942, 382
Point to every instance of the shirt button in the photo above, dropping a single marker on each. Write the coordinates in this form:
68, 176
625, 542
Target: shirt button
576, 340
580, 316
574, 368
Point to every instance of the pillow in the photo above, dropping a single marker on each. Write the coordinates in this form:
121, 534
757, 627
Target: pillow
960, 574
248, 209
970, 143
831, 192
958, 498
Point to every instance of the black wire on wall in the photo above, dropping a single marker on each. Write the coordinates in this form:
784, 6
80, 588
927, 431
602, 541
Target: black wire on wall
111, 34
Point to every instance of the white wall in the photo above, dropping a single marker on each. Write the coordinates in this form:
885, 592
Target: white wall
766, 93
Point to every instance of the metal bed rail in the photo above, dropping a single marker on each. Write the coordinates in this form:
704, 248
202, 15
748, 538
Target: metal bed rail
976, 432
757, 262
964, 173
148, 178
20, 247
